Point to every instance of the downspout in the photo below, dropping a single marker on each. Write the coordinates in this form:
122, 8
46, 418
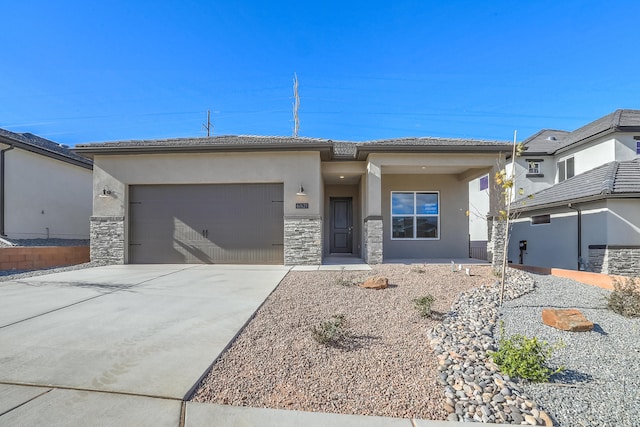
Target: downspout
579, 234
2, 177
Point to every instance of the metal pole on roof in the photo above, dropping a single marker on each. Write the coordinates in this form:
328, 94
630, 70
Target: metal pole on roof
296, 106
208, 126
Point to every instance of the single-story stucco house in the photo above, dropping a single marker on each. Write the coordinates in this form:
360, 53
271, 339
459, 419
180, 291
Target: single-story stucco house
45, 189
283, 200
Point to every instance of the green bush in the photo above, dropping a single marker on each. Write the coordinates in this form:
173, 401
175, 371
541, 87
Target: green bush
522, 357
625, 298
332, 331
423, 305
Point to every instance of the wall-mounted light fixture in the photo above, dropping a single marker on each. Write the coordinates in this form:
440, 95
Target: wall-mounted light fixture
106, 192
301, 191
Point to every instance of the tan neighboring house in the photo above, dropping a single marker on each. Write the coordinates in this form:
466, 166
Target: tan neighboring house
45, 189
279, 200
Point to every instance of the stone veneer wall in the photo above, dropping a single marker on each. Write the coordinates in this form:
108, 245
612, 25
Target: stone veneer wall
495, 246
373, 240
611, 259
107, 239
303, 240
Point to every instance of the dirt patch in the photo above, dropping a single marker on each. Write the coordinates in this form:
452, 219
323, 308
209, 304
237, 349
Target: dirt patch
384, 368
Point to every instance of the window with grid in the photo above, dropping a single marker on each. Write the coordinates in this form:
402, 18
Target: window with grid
534, 168
415, 215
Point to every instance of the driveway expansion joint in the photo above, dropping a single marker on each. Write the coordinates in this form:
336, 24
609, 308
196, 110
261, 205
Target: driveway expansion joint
25, 402
89, 390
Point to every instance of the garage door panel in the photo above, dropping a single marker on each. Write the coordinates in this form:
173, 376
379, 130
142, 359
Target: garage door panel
226, 223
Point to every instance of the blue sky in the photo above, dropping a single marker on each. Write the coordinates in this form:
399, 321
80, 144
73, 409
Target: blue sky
84, 71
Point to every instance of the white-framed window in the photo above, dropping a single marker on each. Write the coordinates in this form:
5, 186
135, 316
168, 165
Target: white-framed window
415, 215
566, 169
533, 167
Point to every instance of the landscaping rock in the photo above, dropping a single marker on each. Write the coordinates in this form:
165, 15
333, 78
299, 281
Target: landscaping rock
567, 320
377, 282
461, 343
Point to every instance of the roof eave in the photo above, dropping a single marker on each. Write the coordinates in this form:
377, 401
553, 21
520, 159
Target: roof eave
43, 151
364, 151
587, 199
89, 151
602, 133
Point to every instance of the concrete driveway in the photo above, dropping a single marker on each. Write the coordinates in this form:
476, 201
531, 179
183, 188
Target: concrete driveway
109, 339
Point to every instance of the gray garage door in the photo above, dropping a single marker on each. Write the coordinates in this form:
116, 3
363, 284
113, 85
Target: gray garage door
222, 223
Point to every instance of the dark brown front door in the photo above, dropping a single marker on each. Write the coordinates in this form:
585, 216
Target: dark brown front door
341, 239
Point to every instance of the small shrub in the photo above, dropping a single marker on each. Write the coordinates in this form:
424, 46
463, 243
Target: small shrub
625, 298
522, 357
332, 331
423, 305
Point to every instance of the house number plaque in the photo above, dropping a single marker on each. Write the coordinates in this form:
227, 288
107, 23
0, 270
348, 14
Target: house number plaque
302, 205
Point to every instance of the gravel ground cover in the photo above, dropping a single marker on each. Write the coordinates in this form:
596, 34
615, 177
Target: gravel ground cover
47, 242
601, 382
6, 275
385, 368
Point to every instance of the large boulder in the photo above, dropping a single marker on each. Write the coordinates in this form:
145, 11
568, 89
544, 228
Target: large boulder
377, 282
567, 320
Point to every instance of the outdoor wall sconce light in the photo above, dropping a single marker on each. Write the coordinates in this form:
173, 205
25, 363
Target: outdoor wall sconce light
301, 191
106, 192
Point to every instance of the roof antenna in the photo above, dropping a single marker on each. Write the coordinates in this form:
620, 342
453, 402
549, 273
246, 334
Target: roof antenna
296, 106
208, 126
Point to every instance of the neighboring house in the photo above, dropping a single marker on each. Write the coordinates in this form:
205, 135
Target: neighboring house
252, 199
45, 189
590, 176
588, 222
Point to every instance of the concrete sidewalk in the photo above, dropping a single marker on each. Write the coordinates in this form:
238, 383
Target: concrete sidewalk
41, 406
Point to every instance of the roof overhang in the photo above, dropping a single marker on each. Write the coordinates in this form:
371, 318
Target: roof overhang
44, 152
365, 150
561, 203
596, 135
91, 150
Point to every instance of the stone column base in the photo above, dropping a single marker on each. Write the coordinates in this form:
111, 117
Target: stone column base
615, 259
373, 240
107, 240
303, 240
495, 246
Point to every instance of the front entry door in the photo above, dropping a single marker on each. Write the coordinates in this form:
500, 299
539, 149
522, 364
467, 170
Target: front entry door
341, 239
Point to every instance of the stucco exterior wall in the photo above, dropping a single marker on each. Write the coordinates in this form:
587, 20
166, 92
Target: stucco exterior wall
531, 185
45, 197
590, 155
293, 169
625, 146
116, 173
454, 224
623, 222
555, 244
